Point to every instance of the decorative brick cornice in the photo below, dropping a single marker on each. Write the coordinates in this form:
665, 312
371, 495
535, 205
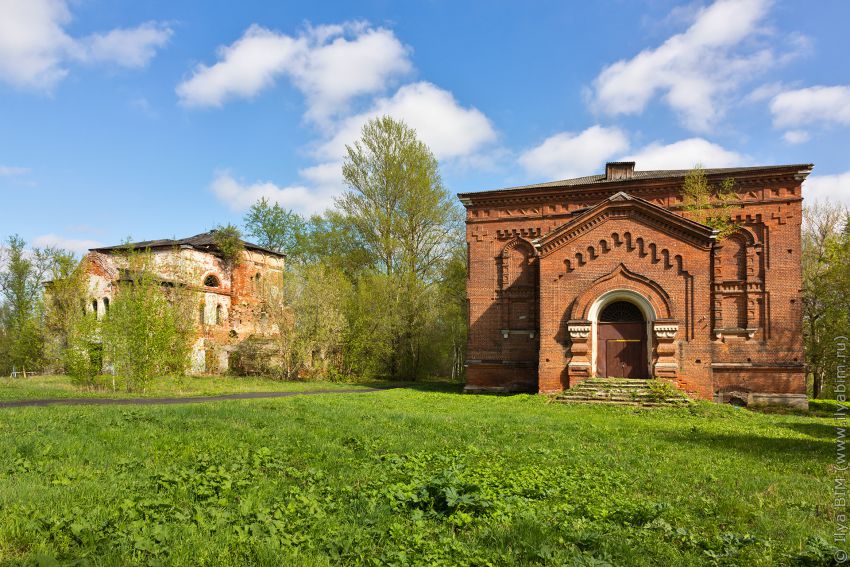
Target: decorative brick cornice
623, 206
788, 176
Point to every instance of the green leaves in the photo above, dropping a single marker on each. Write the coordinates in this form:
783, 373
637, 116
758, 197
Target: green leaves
228, 240
826, 291
148, 328
707, 204
275, 228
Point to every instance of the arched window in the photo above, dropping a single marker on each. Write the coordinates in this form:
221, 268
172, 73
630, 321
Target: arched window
94, 306
217, 320
105, 304
211, 281
621, 312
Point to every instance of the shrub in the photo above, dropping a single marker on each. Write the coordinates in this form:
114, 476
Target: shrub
148, 328
228, 240
82, 356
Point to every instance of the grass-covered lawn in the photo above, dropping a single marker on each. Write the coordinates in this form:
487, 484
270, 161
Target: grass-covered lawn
49, 387
408, 476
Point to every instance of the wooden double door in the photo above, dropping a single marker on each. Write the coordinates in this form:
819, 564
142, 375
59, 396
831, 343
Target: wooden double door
621, 350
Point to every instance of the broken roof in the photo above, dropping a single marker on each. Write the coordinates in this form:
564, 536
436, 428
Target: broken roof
204, 242
600, 179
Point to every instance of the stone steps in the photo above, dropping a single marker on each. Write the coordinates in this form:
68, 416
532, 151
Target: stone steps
621, 391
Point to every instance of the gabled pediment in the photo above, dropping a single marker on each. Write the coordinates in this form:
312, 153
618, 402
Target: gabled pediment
624, 206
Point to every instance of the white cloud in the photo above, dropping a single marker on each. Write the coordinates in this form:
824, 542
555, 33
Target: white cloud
245, 67
765, 92
828, 188
35, 50
449, 129
684, 154
330, 65
796, 136
335, 72
812, 105
79, 246
32, 42
127, 47
693, 71
9, 170
566, 154
239, 196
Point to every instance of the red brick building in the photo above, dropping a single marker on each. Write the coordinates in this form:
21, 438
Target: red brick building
605, 276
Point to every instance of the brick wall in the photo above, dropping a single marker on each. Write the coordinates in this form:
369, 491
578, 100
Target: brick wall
728, 312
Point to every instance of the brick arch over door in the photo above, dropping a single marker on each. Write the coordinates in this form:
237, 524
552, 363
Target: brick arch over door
622, 349
623, 279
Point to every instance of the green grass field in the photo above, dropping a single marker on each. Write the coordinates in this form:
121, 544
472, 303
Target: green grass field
411, 476
52, 387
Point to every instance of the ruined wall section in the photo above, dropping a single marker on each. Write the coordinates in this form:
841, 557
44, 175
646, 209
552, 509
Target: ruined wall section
227, 300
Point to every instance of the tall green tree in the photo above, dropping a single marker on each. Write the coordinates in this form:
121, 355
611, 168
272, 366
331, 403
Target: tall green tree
22, 275
406, 221
274, 227
66, 295
826, 291
396, 201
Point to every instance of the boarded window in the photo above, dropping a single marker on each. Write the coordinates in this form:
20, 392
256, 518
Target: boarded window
734, 259
734, 312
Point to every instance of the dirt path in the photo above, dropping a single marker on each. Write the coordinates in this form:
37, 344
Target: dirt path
168, 401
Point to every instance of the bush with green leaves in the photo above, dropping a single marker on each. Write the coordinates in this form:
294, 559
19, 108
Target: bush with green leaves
228, 240
149, 326
82, 355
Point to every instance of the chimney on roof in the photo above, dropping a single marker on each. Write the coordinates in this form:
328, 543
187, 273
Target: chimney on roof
615, 170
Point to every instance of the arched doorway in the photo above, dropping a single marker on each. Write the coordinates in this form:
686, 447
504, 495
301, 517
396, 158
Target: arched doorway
621, 341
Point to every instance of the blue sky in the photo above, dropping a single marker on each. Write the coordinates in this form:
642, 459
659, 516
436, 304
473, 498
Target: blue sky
159, 119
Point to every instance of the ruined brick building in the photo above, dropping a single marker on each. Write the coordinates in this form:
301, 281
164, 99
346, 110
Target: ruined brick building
606, 276
228, 297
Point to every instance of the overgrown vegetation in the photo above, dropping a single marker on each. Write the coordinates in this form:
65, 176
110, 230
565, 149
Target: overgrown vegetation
375, 286
23, 273
826, 292
709, 204
228, 240
276, 228
484, 481
148, 329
